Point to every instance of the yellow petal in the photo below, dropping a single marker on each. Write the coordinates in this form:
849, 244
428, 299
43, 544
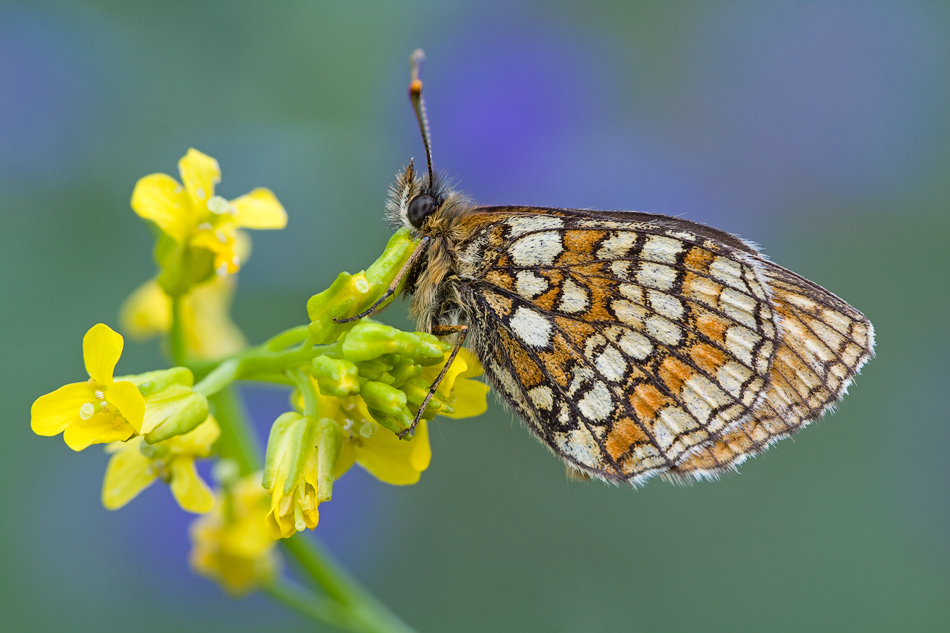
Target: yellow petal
392, 460
191, 492
200, 173
345, 460
259, 210
220, 241
470, 398
421, 453
474, 366
126, 397
146, 312
52, 413
101, 349
128, 473
199, 440
212, 333
159, 198
99, 429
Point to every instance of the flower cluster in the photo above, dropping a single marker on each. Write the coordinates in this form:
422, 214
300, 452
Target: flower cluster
358, 386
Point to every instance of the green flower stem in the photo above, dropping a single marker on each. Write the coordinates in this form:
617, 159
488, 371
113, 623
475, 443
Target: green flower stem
354, 607
372, 615
237, 441
177, 348
317, 607
285, 339
254, 362
302, 381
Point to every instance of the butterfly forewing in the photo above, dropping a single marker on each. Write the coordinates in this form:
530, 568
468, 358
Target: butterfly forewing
624, 343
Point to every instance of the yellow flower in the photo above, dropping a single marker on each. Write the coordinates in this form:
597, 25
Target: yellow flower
232, 543
194, 217
468, 397
209, 330
98, 410
135, 465
374, 447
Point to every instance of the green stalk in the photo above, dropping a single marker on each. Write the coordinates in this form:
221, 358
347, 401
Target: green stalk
354, 608
177, 348
373, 616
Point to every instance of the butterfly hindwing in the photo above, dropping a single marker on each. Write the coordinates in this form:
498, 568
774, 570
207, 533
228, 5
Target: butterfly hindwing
823, 344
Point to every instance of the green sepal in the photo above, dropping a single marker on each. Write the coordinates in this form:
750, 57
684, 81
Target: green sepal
172, 407
291, 441
152, 382
404, 369
181, 267
329, 443
338, 378
181, 408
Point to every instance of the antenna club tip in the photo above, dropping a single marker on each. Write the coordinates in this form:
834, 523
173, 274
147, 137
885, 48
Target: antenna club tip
415, 87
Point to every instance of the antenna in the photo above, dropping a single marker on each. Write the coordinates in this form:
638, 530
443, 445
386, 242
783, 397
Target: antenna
416, 60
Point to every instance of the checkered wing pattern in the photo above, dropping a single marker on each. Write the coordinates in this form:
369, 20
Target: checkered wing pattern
628, 342
823, 344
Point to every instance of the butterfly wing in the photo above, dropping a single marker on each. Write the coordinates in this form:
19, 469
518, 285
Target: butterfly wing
625, 341
823, 344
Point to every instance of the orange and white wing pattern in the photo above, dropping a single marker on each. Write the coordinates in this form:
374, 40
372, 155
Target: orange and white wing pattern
822, 345
633, 343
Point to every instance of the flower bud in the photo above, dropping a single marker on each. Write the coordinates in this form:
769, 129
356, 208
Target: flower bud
416, 391
369, 340
351, 294
181, 266
334, 377
387, 405
291, 441
172, 407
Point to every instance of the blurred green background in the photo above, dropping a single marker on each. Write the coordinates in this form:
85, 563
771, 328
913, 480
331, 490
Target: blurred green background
818, 130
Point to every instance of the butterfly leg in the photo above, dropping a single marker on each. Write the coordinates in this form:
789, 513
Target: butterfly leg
439, 330
420, 248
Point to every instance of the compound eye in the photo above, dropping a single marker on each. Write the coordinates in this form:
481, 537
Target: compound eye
421, 207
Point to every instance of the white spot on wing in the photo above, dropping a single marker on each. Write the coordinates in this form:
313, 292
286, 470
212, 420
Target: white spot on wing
656, 276
667, 305
531, 327
611, 364
617, 245
573, 298
536, 249
664, 330
519, 225
635, 345
542, 397
597, 404
530, 285
661, 249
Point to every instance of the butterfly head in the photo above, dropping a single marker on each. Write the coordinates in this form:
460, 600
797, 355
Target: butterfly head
414, 199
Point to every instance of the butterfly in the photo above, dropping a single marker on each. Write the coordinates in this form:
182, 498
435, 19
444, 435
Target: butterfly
631, 344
